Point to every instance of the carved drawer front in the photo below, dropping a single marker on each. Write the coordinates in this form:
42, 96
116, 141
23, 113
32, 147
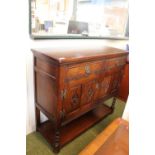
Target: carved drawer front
88, 92
115, 63
85, 71
73, 99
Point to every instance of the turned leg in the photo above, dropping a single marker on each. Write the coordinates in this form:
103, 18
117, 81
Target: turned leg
37, 113
56, 145
113, 103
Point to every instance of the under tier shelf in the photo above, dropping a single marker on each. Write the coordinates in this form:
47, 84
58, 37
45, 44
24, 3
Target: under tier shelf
76, 127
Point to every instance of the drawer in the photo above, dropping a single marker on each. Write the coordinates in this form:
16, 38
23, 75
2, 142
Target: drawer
115, 63
91, 70
85, 71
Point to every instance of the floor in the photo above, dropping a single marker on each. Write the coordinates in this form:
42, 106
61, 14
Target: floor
37, 145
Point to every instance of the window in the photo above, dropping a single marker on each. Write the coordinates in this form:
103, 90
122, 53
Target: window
78, 18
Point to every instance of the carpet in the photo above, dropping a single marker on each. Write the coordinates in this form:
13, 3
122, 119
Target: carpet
37, 145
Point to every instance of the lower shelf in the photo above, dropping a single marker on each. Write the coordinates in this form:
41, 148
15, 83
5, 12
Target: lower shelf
76, 127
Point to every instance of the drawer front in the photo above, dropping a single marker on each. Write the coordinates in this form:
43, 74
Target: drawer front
84, 71
91, 70
115, 63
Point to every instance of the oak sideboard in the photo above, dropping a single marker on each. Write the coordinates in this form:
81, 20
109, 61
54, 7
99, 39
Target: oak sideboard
71, 86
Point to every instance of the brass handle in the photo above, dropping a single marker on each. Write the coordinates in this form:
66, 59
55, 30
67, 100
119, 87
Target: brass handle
97, 85
87, 69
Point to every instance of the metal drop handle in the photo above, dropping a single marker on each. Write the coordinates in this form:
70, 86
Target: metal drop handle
87, 69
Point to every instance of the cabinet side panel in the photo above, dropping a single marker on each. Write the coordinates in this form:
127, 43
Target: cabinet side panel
46, 67
124, 86
46, 87
46, 93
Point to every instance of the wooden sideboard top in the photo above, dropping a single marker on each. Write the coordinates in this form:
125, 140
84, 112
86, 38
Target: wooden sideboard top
69, 55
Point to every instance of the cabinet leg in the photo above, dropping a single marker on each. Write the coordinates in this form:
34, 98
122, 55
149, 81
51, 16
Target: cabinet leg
37, 113
56, 145
113, 103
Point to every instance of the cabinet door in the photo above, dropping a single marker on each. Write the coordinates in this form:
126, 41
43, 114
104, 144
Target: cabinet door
104, 86
73, 99
88, 92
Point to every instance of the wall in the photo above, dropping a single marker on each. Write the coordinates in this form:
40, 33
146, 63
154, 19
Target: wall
30, 127
126, 111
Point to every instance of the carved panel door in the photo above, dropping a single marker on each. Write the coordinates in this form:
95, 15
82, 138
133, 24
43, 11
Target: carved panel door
88, 92
73, 99
102, 87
